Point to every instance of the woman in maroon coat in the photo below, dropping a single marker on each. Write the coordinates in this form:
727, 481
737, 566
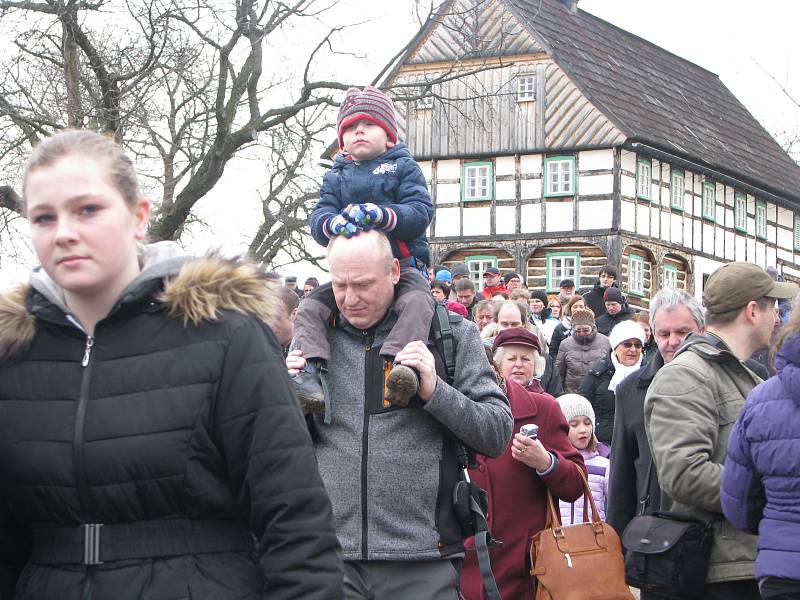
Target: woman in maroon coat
518, 480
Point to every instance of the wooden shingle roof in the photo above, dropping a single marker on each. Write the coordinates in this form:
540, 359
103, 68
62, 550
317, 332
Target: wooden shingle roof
658, 98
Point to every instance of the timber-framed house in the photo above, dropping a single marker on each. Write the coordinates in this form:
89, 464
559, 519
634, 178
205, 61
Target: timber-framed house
566, 143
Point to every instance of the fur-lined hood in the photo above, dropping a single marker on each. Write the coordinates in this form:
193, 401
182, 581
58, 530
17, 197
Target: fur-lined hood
195, 290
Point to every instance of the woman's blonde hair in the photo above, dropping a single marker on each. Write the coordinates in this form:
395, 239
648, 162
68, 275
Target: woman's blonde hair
84, 142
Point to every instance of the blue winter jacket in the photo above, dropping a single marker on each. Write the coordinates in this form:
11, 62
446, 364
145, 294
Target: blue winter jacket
393, 181
760, 488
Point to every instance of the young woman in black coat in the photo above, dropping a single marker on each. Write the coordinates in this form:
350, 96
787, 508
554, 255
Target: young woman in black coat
150, 442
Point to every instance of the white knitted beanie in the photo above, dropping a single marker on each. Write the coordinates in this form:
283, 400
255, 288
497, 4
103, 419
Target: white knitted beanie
575, 405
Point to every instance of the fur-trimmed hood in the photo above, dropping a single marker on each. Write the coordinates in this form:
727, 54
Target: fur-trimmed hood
194, 290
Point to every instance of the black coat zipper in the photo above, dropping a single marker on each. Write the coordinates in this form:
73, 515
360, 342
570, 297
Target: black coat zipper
87, 363
368, 337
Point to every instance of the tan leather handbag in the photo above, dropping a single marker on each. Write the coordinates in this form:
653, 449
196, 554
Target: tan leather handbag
578, 562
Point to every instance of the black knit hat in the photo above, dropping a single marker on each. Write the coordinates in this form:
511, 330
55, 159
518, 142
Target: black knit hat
539, 295
613, 294
371, 104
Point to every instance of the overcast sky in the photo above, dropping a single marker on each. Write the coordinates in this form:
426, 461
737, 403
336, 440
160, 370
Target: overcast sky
741, 41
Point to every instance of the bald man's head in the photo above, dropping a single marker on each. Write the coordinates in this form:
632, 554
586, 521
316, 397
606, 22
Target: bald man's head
363, 275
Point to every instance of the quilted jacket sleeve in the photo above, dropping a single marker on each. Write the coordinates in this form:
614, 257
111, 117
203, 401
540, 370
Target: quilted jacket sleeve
273, 469
741, 490
327, 207
413, 208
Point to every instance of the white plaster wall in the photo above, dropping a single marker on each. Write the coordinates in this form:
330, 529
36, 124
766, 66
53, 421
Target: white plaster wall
595, 214
785, 239
697, 236
593, 160
448, 193
425, 167
447, 222
643, 219
531, 163
505, 190
729, 193
784, 255
530, 189
628, 216
660, 221
785, 217
772, 259
505, 165
703, 266
596, 184
505, 219
761, 254
628, 161
730, 245
448, 169
719, 242
741, 248
687, 232
772, 212
751, 249
476, 220
627, 186
531, 218
728, 222
559, 216
676, 229
772, 234
708, 238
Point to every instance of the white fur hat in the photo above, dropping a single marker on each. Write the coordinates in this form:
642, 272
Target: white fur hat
627, 330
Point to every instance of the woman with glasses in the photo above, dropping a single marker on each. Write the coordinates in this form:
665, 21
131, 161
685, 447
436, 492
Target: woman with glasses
599, 385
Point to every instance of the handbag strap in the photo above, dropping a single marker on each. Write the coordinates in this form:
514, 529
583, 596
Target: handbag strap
554, 518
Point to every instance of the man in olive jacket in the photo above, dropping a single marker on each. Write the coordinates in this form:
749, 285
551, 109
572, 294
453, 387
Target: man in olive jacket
691, 407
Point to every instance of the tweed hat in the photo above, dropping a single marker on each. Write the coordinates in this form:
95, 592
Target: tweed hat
735, 284
371, 104
583, 316
575, 405
626, 330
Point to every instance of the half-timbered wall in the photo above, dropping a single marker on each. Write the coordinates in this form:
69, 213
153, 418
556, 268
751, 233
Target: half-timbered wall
638, 276
589, 259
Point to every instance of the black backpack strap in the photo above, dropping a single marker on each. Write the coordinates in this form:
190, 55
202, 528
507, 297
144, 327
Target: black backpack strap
442, 335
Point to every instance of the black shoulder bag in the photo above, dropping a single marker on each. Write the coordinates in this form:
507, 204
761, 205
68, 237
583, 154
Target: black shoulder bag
666, 553
470, 502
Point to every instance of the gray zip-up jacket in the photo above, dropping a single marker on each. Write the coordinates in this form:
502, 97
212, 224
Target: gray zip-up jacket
390, 472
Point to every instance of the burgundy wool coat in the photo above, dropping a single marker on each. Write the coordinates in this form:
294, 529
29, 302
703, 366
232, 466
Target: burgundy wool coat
517, 496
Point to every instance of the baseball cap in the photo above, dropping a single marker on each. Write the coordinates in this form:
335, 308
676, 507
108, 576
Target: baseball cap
459, 270
491, 271
735, 284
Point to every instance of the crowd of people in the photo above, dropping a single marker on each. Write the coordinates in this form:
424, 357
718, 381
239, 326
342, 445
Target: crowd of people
198, 427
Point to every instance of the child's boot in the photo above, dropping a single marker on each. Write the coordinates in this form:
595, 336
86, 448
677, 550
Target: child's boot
308, 386
402, 384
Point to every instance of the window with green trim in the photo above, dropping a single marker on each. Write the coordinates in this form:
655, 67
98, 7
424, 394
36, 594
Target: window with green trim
559, 176
797, 232
669, 278
677, 189
709, 201
644, 178
477, 267
761, 220
636, 274
563, 265
478, 181
740, 212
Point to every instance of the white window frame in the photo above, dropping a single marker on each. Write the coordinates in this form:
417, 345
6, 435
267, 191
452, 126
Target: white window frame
636, 274
677, 189
477, 267
709, 201
478, 181
563, 167
557, 269
761, 220
740, 212
669, 277
526, 87
644, 178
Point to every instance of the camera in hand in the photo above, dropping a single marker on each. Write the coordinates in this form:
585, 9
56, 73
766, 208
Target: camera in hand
530, 430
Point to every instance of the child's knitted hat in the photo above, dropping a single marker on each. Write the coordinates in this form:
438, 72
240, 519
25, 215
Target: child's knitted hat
575, 405
372, 104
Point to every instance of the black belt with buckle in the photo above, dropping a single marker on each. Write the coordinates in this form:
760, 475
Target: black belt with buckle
96, 543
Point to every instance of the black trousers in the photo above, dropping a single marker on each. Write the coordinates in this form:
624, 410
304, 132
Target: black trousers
775, 588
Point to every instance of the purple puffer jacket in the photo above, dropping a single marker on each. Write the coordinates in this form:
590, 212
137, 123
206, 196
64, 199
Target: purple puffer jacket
760, 489
597, 466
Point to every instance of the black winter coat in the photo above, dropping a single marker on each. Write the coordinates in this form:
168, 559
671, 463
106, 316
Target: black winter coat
594, 300
177, 418
607, 322
630, 453
594, 388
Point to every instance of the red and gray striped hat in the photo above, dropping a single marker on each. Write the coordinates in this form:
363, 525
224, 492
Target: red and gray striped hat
372, 104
